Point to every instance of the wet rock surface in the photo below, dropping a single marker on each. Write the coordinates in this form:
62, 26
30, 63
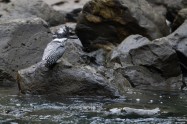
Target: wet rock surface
101, 22
136, 107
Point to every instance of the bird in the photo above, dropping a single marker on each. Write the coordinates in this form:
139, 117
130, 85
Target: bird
56, 48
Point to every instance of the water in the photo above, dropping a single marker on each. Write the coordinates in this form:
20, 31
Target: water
26, 109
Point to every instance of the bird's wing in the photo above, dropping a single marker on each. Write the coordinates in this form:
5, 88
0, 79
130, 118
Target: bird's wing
51, 47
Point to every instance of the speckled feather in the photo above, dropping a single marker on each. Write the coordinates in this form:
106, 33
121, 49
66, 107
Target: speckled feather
56, 48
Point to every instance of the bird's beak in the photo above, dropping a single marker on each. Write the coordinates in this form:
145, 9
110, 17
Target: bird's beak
73, 37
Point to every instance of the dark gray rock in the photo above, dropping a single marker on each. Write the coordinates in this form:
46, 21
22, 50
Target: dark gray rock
159, 57
180, 18
21, 44
121, 53
159, 9
178, 40
102, 23
5, 1
74, 78
65, 81
28, 8
6, 80
172, 7
144, 78
74, 52
151, 66
148, 65
72, 8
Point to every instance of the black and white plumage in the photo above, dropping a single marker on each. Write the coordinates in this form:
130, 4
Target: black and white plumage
56, 48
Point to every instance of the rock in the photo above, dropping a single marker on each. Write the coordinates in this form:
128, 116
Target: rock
6, 80
74, 52
97, 57
178, 40
148, 65
5, 1
72, 8
66, 5
157, 56
180, 18
65, 81
118, 81
151, 66
121, 53
78, 79
134, 111
144, 78
172, 6
101, 23
21, 44
159, 8
28, 8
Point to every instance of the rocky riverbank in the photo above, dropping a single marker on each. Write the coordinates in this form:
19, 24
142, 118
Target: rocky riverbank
122, 45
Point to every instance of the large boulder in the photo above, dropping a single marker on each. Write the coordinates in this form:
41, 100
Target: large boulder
64, 81
103, 22
121, 53
178, 40
148, 79
148, 65
21, 44
70, 77
28, 8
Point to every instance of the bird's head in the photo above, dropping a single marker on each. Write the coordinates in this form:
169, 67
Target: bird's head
63, 32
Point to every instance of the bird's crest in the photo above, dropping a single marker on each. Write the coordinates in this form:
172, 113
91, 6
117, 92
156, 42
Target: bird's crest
63, 32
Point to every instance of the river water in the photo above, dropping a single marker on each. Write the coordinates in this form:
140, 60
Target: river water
139, 107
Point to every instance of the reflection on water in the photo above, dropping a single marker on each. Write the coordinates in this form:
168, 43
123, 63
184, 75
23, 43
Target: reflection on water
16, 109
